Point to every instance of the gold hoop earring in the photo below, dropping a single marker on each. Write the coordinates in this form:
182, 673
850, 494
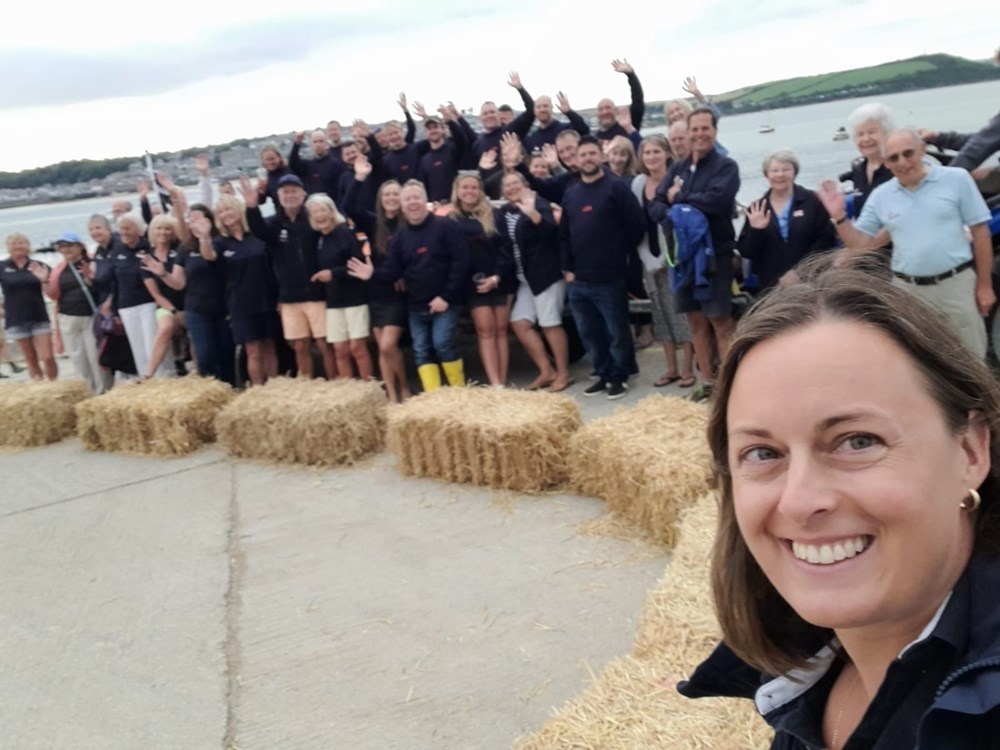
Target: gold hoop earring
971, 501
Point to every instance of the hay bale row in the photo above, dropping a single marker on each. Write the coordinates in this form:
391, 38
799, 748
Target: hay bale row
505, 439
314, 422
39, 413
634, 703
648, 462
154, 417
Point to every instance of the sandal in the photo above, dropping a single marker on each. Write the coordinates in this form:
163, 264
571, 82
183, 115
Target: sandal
687, 382
666, 380
560, 385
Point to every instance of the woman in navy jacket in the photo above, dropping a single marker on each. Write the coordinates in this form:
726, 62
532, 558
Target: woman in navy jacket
786, 225
541, 293
491, 284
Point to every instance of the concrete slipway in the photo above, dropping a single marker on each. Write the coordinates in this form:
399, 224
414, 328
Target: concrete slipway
209, 603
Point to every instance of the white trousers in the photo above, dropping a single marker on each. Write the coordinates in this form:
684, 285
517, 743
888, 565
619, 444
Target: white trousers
140, 329
81, 348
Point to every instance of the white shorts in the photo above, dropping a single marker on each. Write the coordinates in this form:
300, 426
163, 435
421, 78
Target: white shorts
546, 308
345, 323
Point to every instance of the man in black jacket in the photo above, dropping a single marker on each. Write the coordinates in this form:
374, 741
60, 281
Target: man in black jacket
321, 174
291, 243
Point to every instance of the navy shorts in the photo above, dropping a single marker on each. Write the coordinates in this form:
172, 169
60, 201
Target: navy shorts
384, 313
260, 327
721, 303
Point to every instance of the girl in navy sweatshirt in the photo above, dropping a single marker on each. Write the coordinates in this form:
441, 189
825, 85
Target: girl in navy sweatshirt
491, 284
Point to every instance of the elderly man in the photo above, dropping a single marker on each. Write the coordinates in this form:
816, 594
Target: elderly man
678, 136
924, 210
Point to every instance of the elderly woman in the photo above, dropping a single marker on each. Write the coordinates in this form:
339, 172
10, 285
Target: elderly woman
131, 299
26, 320
348, 324
787, 224
870, 124
856, 562
71, 285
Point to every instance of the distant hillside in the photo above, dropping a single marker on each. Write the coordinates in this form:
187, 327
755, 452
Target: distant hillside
923, 72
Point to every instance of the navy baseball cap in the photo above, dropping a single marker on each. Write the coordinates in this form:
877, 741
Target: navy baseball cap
290, 179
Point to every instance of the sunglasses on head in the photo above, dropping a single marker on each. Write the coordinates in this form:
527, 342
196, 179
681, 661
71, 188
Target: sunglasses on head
907, 154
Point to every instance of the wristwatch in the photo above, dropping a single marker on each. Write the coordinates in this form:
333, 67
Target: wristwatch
838, 222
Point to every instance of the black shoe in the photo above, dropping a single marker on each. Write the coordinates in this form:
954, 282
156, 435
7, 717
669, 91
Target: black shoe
616, 391
4, 376
15, 367
599, 387
702, 393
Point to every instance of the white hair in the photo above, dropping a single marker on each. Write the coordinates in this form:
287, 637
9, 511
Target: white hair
136, 219
874, 112
322, 199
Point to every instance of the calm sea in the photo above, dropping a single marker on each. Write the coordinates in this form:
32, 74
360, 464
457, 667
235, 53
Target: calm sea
808, 131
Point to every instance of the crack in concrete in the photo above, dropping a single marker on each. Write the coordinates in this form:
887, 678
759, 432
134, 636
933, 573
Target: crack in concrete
237, 569
95, 493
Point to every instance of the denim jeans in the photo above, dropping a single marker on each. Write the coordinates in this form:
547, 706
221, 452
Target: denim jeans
601, 315
433, 336
213, 345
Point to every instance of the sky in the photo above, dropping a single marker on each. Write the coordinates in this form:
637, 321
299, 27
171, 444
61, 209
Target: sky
118, 77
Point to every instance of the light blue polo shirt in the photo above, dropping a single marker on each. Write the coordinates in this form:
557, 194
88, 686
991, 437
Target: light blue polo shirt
927, 223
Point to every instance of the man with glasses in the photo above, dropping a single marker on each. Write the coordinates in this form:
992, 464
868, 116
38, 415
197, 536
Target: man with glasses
924, 211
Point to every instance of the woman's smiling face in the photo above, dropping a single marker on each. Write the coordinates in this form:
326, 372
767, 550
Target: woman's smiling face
847, 477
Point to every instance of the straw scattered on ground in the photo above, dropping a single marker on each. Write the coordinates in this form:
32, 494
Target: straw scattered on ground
168, 417
312, 422
648, 462
508, 439
39, 413
633, 703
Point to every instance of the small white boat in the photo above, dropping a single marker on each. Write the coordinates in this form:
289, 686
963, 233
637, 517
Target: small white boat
766, 129
841, 134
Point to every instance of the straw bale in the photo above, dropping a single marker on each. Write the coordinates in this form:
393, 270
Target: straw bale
508, 439
647, 462
634, 703
38, 413
169, 417
313, 422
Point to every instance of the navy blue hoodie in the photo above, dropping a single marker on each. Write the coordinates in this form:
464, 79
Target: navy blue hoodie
601, 225
292, 247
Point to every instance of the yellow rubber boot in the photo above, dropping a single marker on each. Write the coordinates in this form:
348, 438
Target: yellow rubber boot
455, 372
430, 377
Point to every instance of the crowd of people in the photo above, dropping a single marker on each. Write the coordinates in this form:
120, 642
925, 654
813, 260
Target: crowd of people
520, 225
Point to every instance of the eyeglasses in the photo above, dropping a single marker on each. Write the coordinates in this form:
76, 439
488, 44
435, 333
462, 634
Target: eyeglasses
907, 154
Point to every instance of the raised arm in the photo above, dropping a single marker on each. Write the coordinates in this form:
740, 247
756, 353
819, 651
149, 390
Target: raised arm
638, 107
295, 161
523, 122
411, 126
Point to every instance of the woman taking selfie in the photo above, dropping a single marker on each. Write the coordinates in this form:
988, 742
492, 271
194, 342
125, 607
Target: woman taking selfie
855, 571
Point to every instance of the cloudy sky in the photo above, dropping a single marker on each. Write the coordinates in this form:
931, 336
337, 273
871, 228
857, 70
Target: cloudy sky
117, 77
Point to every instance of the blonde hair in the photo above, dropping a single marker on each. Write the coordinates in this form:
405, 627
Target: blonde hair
322, 199
483, 212
621, 144
235, 203
159, 221
14, 236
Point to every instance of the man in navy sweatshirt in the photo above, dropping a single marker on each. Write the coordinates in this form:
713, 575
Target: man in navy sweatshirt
489, 116
707, 181
601, 225
549, 127
608, 125
431, 255
441, 157
321, 174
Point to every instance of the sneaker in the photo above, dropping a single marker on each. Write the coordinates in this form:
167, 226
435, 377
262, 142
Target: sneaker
616, 391
599, 387
702, 393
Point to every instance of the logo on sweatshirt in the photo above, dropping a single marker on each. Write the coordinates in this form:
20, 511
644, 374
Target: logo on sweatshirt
422, 249
586, 209
228, 253
283, 237
438, 163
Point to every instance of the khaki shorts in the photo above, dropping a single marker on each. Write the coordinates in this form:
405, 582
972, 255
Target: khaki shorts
303, 320
345, 323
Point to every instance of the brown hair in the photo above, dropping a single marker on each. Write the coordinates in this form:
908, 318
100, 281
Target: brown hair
757, 623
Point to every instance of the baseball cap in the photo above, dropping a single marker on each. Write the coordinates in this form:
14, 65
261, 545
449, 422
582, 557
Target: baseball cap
290, 179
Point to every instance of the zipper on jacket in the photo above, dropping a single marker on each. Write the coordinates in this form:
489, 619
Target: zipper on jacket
964, 671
